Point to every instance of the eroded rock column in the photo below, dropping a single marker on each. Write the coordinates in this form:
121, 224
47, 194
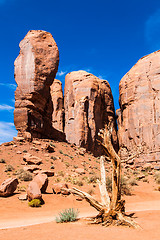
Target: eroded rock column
35, 70
88, 106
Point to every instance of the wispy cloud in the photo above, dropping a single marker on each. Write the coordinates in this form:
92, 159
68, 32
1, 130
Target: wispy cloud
7, 131
102, 77
9, 85
5, 107
61, 73
152, 31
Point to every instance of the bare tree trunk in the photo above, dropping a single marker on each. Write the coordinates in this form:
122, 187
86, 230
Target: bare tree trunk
111, 211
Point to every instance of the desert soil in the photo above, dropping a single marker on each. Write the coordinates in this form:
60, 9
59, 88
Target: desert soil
18, 221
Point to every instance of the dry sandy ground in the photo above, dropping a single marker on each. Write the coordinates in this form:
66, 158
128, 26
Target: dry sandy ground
20, 222
16, 218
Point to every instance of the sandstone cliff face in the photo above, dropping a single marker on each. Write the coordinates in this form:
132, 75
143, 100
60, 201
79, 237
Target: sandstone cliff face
35, 70
139, 117
58, 105
88, 106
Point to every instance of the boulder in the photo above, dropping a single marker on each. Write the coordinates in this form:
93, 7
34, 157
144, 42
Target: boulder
33, 191
49, 173
35, 70
31, 168
30, 159
42, 181
139, 114
60, 188
88, 104
58, 105
8, 187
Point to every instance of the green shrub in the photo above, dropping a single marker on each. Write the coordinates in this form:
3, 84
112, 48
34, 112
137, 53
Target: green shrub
2, 161
9, 168
157, 177
24, 175
35, 203
124, 185
67, 215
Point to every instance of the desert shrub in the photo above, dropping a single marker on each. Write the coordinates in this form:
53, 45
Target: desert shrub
67, 164
93, 179
24, 151
35, 203
53, 158
133, 182
2, 160
90, 191
61, 174
157, 177
124, 185
60, 151
67, 215
24, 175
52, 145
79, 183
9, 168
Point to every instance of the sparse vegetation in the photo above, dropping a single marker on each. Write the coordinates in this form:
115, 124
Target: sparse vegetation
35, 203
9, 168
24, 175
2, 160
67, 215
157, 177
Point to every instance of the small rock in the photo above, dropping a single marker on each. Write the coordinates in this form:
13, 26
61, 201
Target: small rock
19, 152
156, 167
22, 197
36, 142
140, 176
30, 159
49, 148
18, 139
60, 188
80, 171
31, 168
49, 173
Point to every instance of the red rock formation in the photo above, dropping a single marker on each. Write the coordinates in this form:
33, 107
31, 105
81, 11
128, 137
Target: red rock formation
8, 187
88, 106
58, 105
35, 70
139, 117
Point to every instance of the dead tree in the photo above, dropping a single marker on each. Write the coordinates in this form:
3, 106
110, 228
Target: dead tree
111, 209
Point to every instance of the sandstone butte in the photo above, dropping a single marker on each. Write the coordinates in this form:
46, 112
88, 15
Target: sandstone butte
88, 104
35, 70
139, 116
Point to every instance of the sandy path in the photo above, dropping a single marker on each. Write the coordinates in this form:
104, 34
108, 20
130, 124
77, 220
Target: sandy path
24, 222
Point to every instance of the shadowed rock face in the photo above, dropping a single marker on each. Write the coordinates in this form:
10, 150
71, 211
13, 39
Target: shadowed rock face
58, 105
35, 70
88, 106
139, 117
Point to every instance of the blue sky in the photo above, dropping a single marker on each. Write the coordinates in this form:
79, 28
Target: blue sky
103, 37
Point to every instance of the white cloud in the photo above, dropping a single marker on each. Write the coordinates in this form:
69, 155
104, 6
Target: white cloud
61, 73
101, 77
10, 85
152, 31
7, 131
5, 107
